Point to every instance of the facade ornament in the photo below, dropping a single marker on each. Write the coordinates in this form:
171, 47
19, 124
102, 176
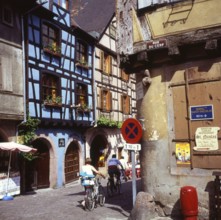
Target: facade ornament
147, 79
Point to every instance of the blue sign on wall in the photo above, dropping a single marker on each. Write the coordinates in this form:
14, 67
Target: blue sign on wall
201, 112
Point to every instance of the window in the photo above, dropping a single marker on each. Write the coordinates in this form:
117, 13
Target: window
63, 3
50, 39
124, 76
125, 104
7, 16
112, 31
6, 74
81, 95
81, 52
106, 97
148, 3
106, 63
51, 89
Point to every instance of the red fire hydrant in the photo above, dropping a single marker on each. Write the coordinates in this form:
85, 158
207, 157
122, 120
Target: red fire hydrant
189, 203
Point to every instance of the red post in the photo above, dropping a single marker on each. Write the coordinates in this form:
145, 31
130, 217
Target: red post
189, 202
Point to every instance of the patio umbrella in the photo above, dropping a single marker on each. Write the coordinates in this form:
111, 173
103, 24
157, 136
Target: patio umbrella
12, 146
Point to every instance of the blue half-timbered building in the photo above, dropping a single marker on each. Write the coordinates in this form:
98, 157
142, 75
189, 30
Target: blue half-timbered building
59, 91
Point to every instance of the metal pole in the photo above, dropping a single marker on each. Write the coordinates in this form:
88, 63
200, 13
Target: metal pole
134, 188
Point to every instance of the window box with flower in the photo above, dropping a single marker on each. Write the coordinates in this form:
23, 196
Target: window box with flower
82, 63
53, 102
52, 49
82, 108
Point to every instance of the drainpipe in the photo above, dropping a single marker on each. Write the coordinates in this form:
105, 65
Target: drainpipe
23, 67
94, 88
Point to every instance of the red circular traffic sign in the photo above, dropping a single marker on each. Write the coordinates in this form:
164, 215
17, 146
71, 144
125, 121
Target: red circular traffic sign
131, 130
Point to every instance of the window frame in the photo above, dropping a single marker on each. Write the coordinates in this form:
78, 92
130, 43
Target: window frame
51, 39
106, 63
124, 76
81, 52
4, 14
105, 95
125, 104
51, 92
81, 95
112, 31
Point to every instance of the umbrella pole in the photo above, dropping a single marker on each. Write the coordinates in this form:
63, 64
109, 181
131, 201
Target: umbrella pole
6, 197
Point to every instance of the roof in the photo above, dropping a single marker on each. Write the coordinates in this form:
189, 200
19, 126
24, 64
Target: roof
93, 16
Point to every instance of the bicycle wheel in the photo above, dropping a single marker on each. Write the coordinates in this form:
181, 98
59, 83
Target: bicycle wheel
109, 188
101, 196
118, 184
89, 200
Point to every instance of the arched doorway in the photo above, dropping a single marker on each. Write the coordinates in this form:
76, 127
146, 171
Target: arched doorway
72, 163
37, 170
98, 150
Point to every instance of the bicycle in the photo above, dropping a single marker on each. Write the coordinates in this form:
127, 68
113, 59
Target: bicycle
94, 191
113, 185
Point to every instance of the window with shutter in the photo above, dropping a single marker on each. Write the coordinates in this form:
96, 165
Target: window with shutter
125, 104
106, 97
106, 63
124, 76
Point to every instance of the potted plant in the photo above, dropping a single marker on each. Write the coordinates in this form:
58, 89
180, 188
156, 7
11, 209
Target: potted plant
56, 101
52, 49
82, 63
82, 107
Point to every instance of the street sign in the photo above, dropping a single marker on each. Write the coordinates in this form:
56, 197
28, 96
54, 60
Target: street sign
201, 112
136, 147
131, 130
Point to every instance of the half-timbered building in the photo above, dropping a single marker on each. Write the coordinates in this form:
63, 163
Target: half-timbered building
115, 96
59, 92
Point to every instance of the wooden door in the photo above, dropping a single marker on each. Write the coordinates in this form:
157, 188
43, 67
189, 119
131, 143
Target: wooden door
42, 170
72, 164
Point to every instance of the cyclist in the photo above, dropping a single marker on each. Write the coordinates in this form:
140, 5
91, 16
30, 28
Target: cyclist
89, 170
113, 164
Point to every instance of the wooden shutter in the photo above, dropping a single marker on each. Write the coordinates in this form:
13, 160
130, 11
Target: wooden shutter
110, 65
186, 94
102, 60
106, 96
125, 104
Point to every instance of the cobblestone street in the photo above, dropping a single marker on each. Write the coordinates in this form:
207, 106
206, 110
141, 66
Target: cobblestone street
64, 203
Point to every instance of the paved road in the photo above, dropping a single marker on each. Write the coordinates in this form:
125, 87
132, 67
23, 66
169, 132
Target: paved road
64, 204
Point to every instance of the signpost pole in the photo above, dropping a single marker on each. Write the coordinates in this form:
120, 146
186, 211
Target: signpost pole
132, 132
134, 187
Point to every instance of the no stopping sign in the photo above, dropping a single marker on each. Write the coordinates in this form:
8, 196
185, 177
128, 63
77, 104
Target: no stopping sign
131, 130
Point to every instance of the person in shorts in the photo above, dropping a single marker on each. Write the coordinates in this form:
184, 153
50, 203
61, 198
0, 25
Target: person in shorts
113, 167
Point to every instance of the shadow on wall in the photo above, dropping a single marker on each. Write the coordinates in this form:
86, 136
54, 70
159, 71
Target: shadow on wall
213, 189
176, 211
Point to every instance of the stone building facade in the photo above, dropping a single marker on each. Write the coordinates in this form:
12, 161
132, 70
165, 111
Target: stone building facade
174, 49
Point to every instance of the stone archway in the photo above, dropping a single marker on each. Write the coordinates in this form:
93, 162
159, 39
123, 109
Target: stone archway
98, 150
37, 171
